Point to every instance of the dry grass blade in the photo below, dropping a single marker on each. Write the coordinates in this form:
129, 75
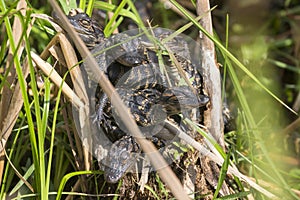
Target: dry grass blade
47, 18
291, 127
66, 56
71, 61
55, 77
156, 159
19, 174
72, 96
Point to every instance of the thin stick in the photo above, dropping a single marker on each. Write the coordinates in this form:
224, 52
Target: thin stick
291, 127
211, 75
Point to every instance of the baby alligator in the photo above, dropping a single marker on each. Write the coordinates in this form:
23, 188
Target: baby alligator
131, 64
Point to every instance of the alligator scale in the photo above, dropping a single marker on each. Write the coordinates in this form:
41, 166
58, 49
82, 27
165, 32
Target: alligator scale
153, 73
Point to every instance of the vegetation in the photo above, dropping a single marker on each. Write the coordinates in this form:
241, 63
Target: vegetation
259, 58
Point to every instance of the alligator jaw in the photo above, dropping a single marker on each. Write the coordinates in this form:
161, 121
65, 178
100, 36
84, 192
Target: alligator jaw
121, 156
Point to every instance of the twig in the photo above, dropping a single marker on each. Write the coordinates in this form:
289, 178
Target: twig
291, 127
18, 173
211, 76
55, 77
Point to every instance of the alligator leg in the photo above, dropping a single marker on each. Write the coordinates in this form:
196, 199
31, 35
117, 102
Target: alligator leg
101, 105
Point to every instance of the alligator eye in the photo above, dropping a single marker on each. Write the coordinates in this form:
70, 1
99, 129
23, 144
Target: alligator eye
85, 23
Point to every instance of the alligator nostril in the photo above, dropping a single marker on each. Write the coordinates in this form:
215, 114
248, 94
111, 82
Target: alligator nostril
112, 176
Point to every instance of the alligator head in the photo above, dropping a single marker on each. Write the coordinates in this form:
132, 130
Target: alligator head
88, 29
121, 156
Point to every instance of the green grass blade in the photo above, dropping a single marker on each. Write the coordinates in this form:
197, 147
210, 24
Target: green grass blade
23, 87
53, 128
28, 173
208, 137
138, 19
46, 105
252, 123
118, 189
70, 4
89, 9
223, 174
114, 26
161, 186
109, 7
183, 28
70, 175
284, 66
41, 129
108, 28
45, 120
15, 150
152, 191
225, 58
82, 4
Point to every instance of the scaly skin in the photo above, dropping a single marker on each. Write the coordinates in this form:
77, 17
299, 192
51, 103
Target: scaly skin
132, 66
